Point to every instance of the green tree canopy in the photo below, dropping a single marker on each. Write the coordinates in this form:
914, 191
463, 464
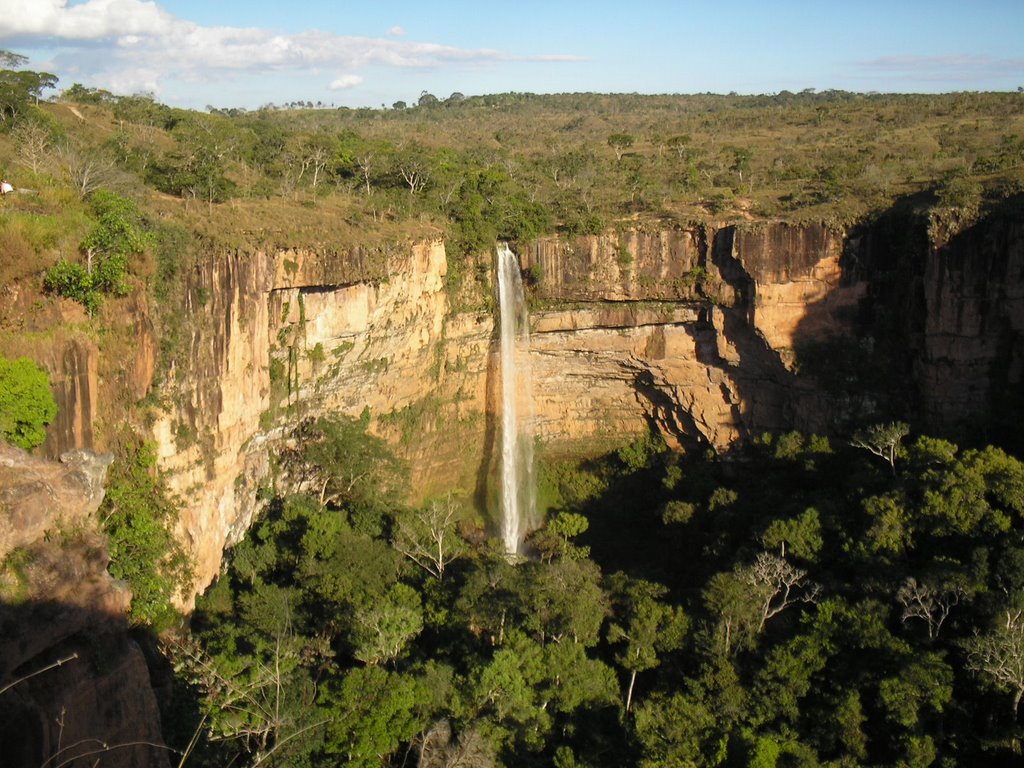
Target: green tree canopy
20, 88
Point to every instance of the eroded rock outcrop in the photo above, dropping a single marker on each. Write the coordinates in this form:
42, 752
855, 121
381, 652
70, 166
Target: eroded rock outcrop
72, 682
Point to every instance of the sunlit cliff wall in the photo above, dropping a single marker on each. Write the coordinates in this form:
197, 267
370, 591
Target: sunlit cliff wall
690, 330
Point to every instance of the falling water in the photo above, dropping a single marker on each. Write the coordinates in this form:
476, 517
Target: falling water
518, 490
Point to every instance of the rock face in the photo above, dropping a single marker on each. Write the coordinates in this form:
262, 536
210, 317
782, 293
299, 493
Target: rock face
971, 362
692, 330
687, 330
73, 681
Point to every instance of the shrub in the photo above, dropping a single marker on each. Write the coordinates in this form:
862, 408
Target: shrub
138, 517
26, 403
72, 281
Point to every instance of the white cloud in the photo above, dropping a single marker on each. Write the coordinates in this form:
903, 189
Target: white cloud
91, 20
962, 67
344, 82
127, 45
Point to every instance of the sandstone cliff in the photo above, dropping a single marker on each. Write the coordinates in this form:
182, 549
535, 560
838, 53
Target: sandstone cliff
686, 330
693, 330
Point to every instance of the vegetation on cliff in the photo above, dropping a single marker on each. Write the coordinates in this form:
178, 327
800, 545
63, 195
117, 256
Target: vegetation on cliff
514, 165
138, 516
26, 403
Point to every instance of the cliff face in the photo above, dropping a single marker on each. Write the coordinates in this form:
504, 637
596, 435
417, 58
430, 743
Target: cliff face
708, 357
72, 678
690, 329
970, 366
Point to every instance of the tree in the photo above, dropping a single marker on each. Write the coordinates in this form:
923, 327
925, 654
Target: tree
413, 168
428, 536
20, 88
374, 711
620, 142
315, 153
335, 459
741, 157
85, 171
197, 168
680, 144
802, 535
778, 585
736, 610
26, 402
644, 626
439, 748
928, 603
115, 238
563, 601
366, 161
554, 540
882, 440
33, 140
383, 627
999, 655
246, 700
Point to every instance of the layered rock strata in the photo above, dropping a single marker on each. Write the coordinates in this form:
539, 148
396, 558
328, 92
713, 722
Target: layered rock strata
693, 330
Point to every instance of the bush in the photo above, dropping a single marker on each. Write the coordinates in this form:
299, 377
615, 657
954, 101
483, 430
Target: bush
116, 236
26, 403
72, 281
139, 517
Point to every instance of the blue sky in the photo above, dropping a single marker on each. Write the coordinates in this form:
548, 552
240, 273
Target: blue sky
230, 53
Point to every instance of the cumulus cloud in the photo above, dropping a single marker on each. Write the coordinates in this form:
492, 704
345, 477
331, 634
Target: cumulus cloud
396, 31
114, 42
344, 82
90, 20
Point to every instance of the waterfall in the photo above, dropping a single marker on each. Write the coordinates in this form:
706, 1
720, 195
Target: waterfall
518, 490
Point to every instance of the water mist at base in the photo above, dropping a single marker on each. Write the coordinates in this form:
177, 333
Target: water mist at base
518, 490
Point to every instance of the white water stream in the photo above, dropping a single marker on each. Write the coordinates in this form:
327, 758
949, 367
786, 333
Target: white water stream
518, 489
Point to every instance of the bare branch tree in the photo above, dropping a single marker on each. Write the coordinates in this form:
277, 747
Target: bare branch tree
1000, 655
440, 749
428, 537
245, 705
415, 174
33, 142
366, 163
85, 172
781, 584
315, 155
930, 604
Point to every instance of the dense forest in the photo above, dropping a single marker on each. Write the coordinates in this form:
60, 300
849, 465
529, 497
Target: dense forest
803, 601
802, 604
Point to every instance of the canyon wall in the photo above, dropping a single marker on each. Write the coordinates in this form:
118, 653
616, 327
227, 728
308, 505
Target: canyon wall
693, 330
688, 330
